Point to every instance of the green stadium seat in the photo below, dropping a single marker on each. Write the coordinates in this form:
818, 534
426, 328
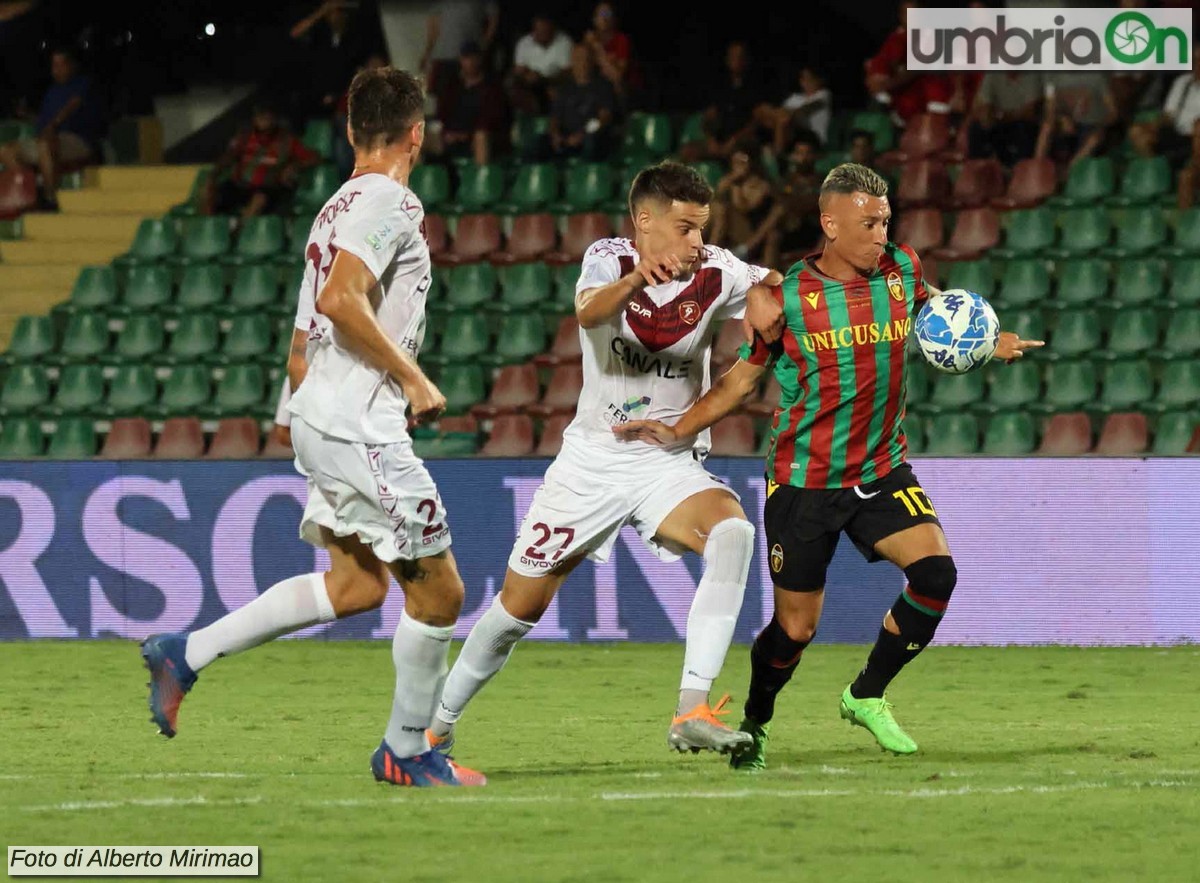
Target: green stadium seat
528, 137
451, 444
1027, 232
1142, 230
648, 137
916, 389
147, 287
298, 229
155, 239
1076, 333
1172, 433
240, 390
691, 130
463, 386
1139, 281
953, 434
201, 287
1024, 282
878, 123
588, 186
431, 184
1186, 240
186, 389
974, 276
480, 189
132, 389
32, 338
1027, 324
1179, 386
565, 278
1010, 434
196, 338
204, 238
1183, 332
26, 387
470, 285
319, 135
956, 391
1185, 281
195, 198
466, 337
1070, 384
316, 185
1090, 180
534, 188
142, 337
914, 433
618, 203
86, 336
1127, 385
73, 439
524, 285
521, 337
255, 287
80, 390
1084, 230
95, 287
260, 237
711, 170
249, 337
21, 438
1146, 178
1081, 282
1135, 330
1015, 385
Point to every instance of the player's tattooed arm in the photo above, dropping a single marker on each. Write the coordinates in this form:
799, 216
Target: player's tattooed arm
733, 388
297, 363
596, 306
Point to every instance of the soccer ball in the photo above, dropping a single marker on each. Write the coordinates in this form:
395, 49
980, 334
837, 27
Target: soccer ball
957, 330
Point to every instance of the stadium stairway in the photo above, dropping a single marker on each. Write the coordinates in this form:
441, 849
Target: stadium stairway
96, 223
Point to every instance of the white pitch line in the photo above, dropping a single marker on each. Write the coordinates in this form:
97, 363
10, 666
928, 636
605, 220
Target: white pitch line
100, 774
158, 802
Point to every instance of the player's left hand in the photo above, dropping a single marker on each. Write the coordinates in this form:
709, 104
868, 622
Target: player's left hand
1010, 346
652, 432
763, 314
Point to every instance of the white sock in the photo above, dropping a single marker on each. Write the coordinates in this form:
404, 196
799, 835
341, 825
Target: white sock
715, 608
295, 603
421, 653
486, 650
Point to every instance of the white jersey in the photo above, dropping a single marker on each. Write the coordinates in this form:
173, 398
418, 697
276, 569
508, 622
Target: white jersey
651, 362
381, 222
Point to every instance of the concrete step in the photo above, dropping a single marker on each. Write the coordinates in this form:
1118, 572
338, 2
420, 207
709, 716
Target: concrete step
140, 203
132, 178
26, 303
53, 280
118, 229
63, 253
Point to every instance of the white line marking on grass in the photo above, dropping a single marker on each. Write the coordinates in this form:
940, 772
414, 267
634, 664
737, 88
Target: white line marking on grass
647, 775
101, 774
158, 802
922, 793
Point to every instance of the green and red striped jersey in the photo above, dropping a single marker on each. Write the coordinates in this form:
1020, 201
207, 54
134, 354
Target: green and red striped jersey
841, 366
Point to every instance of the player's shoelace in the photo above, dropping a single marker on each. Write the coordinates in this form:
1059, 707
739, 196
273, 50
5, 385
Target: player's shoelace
716, 712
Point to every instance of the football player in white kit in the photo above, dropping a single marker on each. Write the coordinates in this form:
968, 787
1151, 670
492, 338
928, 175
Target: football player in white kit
648, 310
371, 503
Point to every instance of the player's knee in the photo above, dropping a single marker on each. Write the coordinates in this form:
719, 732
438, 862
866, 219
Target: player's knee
731, 538
933, 577
800, 625
931, 582
356, 593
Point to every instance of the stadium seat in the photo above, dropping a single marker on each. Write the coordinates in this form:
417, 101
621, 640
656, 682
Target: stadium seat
926, 135
86, 336
1010, 434
80, 390
1139, 281
733, 436
32, 338
186, 388
1135, 330
916, 390
1179, 386
516, 387
580, 231
182, 438
1089, 180
914, 435
319, 135
236, 438
147, 287
532, 236
1183, 332
923, 182
260, 237
1186, 240
534, 189
710, 170
316, 185
95, 287
976, 230
1015, 385
470, 285
979, 181
1070, 384
155, 239
18, 192
876, 122
512, 436
255, 288
475, 237
1126, 385
1194, 445
1032, 182
142, 337
436, 235
1144, 180
1185, 281
201, 287
1142, 230
1081, 282
22, 437
625, 229
521, 336
1172, 432
26, 387
276, 449
1027, 232
588, 186
976, 275
648, 137
249, 337
480, 189
452, 444
1084, 231
562, 391
74, 438
1067, 435
431, 183
550, 442
1027, 324
566, 345
462, 383
467, 336
523, 286
1024, 282
529, 133
1077, 333
565, 278
920, 228
1123, 435
132, 388
196, 337
128, 439
240, 390
957, 391
953, 434
204, 239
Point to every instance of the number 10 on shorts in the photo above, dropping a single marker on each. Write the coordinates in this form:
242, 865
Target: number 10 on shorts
915, 501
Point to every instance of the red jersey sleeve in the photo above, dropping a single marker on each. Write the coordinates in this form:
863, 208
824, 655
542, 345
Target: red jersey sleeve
921, 292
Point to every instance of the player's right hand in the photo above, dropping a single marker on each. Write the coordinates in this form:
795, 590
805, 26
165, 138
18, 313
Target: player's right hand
426, 401
659, 269
652, 432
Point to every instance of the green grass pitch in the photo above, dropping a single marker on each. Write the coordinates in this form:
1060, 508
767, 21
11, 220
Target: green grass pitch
1054, 764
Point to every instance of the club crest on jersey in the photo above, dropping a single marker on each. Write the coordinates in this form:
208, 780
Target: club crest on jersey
689, 311
895, 285
776, 558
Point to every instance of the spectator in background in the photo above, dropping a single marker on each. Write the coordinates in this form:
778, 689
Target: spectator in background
1079, 108
450, 26
1005, 117
612, 52
474, 113
862, 148
892, 85
541, 61
1176, 132
808, 109
741, 208
70, 125
582, 115
792, 226
333, 49
738, 108
258, 172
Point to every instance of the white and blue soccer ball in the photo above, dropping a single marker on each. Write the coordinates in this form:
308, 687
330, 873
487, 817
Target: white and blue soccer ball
957, 330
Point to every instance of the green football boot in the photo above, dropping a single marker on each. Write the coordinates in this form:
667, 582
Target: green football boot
876, 716
753, 757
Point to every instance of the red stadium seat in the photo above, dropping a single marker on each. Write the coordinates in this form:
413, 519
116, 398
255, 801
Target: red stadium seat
733, 436
927, 134
975, 231
512, 436
930, 268
515, 389
1033, 181
532, 236
128, 439
18, 192
923, 182
921, 228
464, 423
435, 234
979, 181
566, 346
581, 231
274, 449
475, 237
181, 439
627, 230
1123, 435
1067, 435
1194, 446
236, 438
552, 434
562, 392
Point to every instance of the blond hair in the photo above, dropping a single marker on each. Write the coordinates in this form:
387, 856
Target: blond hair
853, 178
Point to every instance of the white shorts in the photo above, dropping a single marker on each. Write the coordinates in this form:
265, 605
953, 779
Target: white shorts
588, 495
382, 493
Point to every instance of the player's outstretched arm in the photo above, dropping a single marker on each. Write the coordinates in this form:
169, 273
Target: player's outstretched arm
597, 305
343, 299
731, 390
1010, 346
